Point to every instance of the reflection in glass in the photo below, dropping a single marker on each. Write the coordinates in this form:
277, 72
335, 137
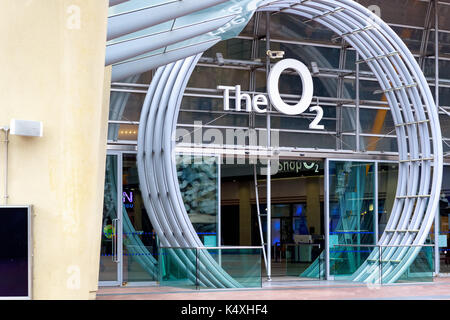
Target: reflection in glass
211, 77
239, 49
178, 268
243, 265
346, 260
291, 27
351, 213
420, 270
124, 106
299, 257
352, 202
387, 187
198, 179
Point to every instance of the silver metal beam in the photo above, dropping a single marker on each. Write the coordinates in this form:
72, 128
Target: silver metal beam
425, 35
358, 126
375, 213
116, 2
128, 49
125, 23
269, 164
437, 221
327, 219
123, 70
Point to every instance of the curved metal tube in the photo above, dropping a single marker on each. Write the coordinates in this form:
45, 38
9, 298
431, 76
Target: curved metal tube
158, 177
135, 247
406, 87
417, 128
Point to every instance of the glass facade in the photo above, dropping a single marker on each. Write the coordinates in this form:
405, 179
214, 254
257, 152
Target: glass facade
297, 219
199, 179
220, 197
387, 185
140, 241
420, 270
345, 260
444, 230
108, 255
352, 202
130, 246
179, 267
352, 215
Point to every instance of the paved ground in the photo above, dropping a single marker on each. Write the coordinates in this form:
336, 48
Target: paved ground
289, 290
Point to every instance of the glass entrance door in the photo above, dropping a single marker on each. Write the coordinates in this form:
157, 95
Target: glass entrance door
140, 245
111, 253
129, 248
297, 220
352, 221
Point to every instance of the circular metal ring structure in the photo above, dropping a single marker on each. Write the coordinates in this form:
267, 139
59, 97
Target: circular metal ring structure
413, 111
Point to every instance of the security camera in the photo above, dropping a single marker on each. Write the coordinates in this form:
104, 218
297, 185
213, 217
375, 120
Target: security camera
219, 58
275, 54
314, 68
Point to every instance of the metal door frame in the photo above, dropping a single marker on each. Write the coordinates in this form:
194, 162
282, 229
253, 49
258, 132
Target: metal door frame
119, 230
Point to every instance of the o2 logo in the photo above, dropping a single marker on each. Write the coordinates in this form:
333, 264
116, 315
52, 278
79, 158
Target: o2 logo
260, 102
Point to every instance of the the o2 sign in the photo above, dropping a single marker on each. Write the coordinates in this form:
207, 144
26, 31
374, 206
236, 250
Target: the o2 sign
274, 93
260, 102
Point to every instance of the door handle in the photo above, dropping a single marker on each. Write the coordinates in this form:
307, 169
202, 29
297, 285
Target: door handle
114, 241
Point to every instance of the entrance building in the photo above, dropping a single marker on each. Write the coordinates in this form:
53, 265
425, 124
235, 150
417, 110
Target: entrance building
223, 143
301, 209
333, 189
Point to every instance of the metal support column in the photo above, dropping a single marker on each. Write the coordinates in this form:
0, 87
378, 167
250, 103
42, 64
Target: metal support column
219, 200
120, 209
426, 35
327, 218
6, 141
254, 56
340, 93
219, 207
357, 103
252, 123
436, 48
375, 205
268, 195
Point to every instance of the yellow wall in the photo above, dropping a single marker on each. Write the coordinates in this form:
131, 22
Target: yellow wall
96, 219
52, 62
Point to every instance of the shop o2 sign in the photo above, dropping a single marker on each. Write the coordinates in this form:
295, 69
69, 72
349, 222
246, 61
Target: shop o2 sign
260, 102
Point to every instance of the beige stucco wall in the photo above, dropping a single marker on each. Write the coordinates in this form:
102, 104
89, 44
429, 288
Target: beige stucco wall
96, 219
52, 62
